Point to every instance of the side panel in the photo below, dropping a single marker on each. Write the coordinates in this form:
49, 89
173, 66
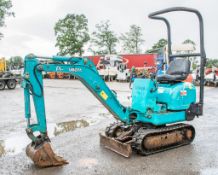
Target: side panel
163, 118
143, 95
177, 96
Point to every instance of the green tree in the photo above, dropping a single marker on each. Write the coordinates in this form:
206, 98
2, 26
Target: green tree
5, 6
132, 40
15, 62
157, 46
188, 41
104, 39
71, 34
212, 63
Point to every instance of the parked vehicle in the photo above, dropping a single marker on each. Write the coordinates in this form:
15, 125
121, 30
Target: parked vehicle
7, 78
112, 67
211, 76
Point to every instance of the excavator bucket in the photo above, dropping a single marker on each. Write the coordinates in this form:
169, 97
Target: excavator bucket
110, 143
43, 156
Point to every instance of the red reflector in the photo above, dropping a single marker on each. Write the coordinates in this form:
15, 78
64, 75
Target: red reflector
183, 93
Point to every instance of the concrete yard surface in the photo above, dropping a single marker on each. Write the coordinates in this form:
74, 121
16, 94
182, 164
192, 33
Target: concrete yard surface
75, 119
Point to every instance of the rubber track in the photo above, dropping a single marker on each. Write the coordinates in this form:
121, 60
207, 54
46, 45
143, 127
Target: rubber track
110, 129
139, 136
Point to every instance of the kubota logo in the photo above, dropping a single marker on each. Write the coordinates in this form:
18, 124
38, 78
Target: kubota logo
75, 69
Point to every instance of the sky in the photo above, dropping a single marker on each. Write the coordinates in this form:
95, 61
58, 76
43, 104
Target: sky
32, 28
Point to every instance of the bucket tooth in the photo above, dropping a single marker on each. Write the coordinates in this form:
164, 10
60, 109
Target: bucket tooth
112, 144
43, 156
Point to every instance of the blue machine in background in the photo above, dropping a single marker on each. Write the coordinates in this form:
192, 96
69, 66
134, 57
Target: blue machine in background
161, 62
150, 125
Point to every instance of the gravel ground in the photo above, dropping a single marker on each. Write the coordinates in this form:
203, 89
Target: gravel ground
69, 101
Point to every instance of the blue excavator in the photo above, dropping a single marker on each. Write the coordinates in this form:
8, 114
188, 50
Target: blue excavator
153, 123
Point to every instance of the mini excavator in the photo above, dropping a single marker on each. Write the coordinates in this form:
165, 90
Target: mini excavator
153, 123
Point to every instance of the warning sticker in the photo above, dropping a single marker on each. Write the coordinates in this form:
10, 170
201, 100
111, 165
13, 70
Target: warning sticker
103, 95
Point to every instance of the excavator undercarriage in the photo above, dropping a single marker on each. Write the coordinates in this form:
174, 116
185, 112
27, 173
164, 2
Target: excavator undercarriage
145, 140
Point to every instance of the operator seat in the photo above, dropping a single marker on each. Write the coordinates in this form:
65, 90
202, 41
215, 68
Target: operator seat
177, 71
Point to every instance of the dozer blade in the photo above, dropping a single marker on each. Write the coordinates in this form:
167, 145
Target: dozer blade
123, 149
43, 156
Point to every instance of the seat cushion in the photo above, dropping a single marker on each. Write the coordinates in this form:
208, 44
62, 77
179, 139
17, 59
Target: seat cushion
171, 78
178, 71
179, 67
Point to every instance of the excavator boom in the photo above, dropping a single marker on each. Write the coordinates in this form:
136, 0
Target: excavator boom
40, 150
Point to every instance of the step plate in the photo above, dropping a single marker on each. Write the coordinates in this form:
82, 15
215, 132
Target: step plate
116, 146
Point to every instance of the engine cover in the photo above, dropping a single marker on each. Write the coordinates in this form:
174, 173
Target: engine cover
144, 95
176, 96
